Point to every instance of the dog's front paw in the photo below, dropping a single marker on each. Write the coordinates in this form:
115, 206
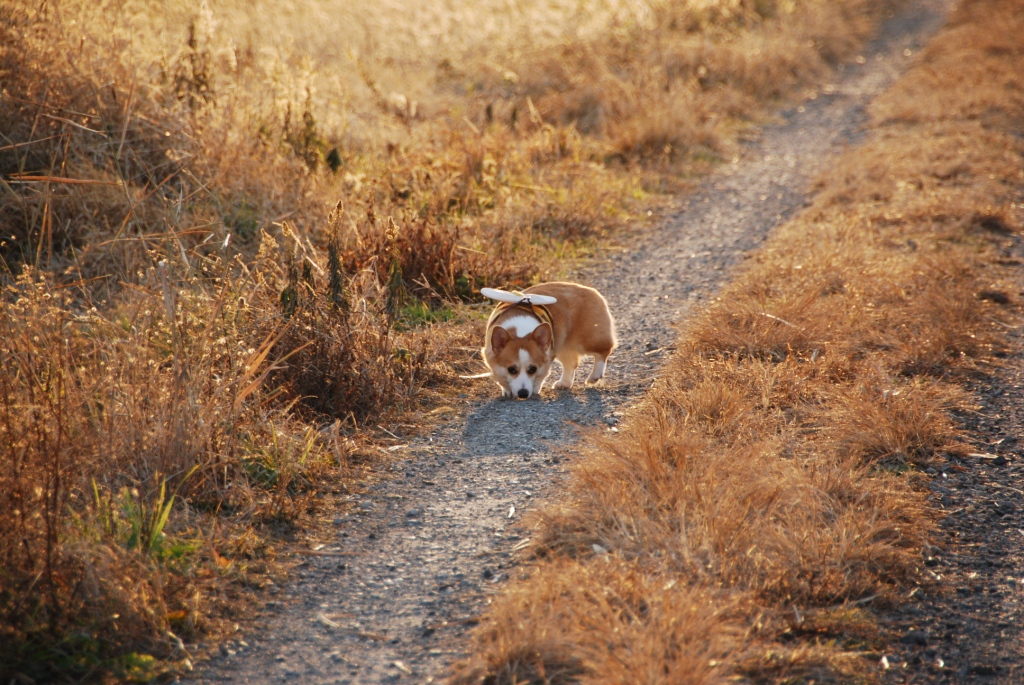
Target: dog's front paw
506, 393
563, 385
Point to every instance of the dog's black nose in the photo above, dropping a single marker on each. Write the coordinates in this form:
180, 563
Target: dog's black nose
524, 393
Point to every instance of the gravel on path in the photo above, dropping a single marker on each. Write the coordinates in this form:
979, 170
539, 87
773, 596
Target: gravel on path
393, 599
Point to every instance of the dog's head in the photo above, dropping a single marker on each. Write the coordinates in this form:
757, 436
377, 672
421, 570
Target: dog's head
519, 364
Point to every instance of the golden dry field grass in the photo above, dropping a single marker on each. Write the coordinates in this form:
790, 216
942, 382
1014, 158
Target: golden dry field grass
764, 502
236, 238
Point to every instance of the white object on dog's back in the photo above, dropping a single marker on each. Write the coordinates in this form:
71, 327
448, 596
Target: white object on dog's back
513, 298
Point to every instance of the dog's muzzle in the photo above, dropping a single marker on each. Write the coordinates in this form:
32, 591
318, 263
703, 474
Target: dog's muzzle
523, 393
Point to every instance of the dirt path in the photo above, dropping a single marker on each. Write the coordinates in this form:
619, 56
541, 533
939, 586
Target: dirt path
416, 561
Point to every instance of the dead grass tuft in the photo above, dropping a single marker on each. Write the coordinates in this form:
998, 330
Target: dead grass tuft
610, 622
909, 425
686, 104
784, 528
764, 325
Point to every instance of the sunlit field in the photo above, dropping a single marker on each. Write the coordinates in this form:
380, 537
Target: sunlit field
237, 238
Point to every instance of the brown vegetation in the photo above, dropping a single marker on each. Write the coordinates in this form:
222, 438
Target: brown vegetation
764, 501
221, 258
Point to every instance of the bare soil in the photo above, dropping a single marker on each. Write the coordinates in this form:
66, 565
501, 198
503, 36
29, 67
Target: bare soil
965, 626
415, 558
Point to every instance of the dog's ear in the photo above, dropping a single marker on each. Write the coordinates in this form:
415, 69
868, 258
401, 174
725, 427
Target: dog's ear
542, 335
499, 338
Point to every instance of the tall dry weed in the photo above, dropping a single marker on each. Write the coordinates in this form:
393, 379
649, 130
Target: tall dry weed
76, 428
183, 395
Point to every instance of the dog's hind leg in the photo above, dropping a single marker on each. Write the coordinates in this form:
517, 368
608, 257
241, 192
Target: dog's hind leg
570, 360
600, 361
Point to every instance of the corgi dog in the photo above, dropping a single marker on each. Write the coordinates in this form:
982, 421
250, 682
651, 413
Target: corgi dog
528, 330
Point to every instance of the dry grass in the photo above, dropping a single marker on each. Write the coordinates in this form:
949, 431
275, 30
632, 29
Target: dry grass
609, 622
768, 483
231, 234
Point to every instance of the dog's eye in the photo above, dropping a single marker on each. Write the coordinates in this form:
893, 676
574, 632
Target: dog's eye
532, 370
513, 370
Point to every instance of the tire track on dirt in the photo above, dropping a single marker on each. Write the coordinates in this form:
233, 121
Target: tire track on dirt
416, 561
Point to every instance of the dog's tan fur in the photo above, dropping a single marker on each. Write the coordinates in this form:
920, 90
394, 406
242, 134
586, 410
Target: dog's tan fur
582, 326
